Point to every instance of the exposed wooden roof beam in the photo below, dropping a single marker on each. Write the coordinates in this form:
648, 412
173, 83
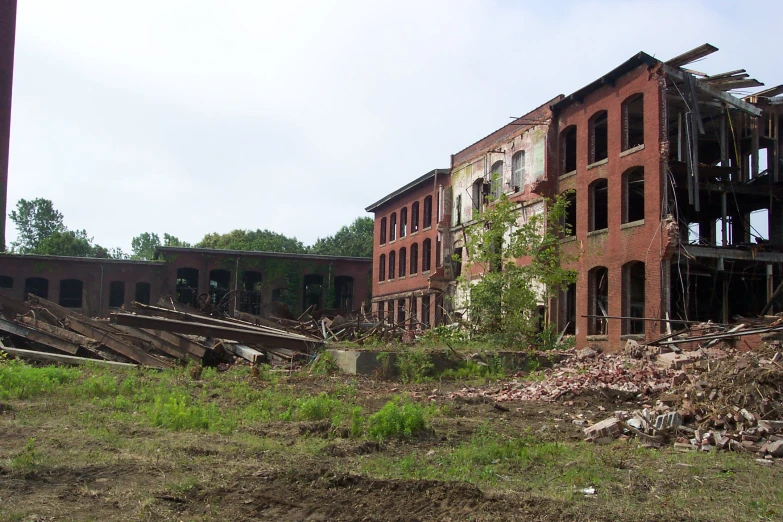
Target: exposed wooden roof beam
692, 55
726, 74
739, 84
676, 73
766, 93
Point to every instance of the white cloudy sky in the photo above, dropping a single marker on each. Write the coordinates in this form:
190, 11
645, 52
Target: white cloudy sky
190, 117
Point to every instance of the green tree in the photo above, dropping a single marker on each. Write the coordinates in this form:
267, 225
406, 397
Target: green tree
35, 221
144, 245
70, 243
503, 295
258, 240
173, 241
353, 240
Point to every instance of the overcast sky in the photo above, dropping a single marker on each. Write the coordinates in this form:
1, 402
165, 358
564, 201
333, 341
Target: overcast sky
191, 117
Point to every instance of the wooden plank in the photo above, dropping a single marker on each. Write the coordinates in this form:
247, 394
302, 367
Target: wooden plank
192, 347
39, 337
294, 342
155, 342
61, 359
716, 93
89, 344
692, 55
248, 353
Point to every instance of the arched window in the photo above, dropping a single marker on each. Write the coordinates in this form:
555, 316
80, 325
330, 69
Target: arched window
343, 292
143, 293
569, 218
428, 212
598, 300
426, 253
37, 286
219, 285
404, 222
187, 286
383, 231
392, 264
633, 121
568, 150
633, 194
599, 205
250, 297
382, 268
414, 259
633, 297
458, 210
477, 194
393, 227
496, 179
518, 170
415, 217
403, 262
116, 294
599, 136
312, 291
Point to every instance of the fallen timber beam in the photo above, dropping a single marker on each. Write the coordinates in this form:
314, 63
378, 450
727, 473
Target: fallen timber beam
62, 359
102, 333
40, 337
157, 343
248, 353
294, 342
715, 93
91, 345
725, 335
182, 342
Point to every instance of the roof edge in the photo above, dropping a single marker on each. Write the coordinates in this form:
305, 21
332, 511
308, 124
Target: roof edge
409, 186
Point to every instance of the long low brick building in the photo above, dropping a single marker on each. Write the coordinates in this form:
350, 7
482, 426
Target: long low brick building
234, 280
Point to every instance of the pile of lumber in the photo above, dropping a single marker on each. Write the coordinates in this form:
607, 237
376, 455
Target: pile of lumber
151, 336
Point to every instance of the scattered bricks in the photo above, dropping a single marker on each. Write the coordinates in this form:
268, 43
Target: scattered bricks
706, 447
668, 421
775, 449
607, 428
771, 426
751, 438
750, 446
634, 349
677, 361
749, 416
679, 379
713, 395
684, 446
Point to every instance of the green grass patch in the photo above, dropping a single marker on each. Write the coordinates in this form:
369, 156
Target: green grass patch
397, 419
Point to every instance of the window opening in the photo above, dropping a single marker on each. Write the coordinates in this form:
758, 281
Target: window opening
414, 310
37, 286
633, 297
414, 258
219, 286
143, 293
428, 212
438, 257
598, 280
518, 170
403, 262
71, 293
393, 227
477, 195
380, 311
426, 252
599, 202
404, 222
496, 179
457, 262
250, 300
569, 297
382, 268
6, 282
343, 292
633, 193
383, 231
392, 264
633, 122
400, 311
116, 294
598, 137
187, 286
569, 217
458, 210
568, 149
312, 291
415, 217
425, 310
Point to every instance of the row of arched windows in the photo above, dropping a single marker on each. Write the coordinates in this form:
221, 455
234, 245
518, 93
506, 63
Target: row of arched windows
631, 134
404, 262
402, 228
71, 291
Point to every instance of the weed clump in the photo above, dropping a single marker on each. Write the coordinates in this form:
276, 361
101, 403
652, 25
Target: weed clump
397, 419
22, 381
414, 366
317, 408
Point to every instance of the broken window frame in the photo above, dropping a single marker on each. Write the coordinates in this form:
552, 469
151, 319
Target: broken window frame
518, 170
633, 202
568, 161
496, 179
250, 298
415, 217
383, 231
414, 268
312, 291
598, 300
477, 194
403, 222
392, 264
458, 210
633, 109
116, 294
393, 227
598, 207
570, 214
382, 268
218, 292
187, 285
427, 212
426, 255
598, 134
343, 293
633, 305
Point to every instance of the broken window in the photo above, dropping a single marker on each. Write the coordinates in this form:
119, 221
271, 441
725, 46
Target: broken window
426, 252
425, 310
312, 290
6, 282
569, 309
456, 261
759, 225
518, 170
599, 205
400, 311
428, 212
458, 210
496, 179
477, 195
633, 297
250, 298
71, 293
598, 300
343, 292
403, 262
633, 195
569, 217
598, 133
143, 293
414, 312
380, 311
415, 217
116, 294
382, 268
568, 149
37, 286
219, 286
393, 227
414, 258
438, 260
383, 231
392, 264
633, 121
187, 286
404, 222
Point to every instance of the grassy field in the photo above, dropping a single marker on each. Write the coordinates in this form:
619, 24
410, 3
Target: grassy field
99, 444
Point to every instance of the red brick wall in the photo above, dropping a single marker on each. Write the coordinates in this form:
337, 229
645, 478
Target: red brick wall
619, 245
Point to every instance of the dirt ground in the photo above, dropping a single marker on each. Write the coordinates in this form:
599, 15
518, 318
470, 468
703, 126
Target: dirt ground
93, 466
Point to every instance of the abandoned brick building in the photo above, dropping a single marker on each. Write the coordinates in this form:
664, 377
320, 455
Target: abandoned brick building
674, 189
244, 281
410, 283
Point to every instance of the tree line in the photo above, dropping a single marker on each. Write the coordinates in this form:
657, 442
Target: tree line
41, 230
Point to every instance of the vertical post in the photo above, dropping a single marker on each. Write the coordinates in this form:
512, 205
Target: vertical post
7, 41
724, 225
770, 288
754, 154
725, 304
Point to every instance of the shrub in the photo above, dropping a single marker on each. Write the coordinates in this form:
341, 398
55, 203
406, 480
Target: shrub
317, 408
397, 418
413, 365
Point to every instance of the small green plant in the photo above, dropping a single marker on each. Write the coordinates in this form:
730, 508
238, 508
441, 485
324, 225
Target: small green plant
324, 364
414, 365
28, 458
397, 419
22, 381
317, 408
443, 336
176, 412
357, 422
